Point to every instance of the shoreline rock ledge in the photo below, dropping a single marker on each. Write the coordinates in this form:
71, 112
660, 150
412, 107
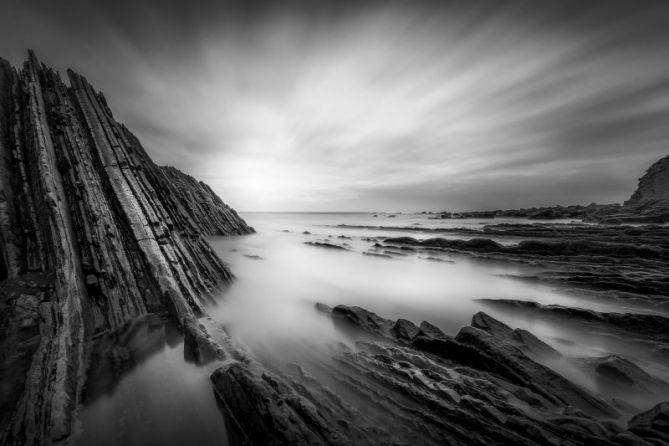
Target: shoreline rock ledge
92, 234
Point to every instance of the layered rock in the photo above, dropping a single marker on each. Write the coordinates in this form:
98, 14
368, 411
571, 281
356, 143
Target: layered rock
535, 213
652, 425
648, 204
654, 185
625, 262
405, 384
649, 327
197, 206
110, 235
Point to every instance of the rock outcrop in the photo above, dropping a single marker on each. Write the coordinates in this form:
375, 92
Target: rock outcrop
649, 327
648, 204
652, 425
405, 384
106, 235
654, 185
625, 262
535, 213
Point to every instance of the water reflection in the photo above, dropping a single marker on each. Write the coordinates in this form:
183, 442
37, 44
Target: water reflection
142, 391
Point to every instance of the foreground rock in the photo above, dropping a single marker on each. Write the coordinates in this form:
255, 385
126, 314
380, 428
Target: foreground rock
109, 235
652, 425
407, 384
522, 339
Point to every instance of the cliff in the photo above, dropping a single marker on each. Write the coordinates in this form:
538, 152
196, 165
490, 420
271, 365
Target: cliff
648, 204
92, 235
654, 185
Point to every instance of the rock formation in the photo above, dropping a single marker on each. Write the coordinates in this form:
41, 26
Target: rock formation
654, 185
92, 235
406, 384
650, 201
626, 262
98, 243
648, 204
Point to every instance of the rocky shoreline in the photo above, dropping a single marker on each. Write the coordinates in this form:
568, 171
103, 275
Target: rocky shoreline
481, 386
98, 243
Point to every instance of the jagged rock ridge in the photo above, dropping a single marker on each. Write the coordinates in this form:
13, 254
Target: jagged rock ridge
103, 233
404, 384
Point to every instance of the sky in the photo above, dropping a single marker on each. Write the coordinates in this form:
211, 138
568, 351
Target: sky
375, 105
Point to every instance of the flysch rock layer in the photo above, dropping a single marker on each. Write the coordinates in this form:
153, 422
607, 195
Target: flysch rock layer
404, 384
92, 234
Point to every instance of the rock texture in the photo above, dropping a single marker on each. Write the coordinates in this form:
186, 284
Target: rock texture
648, 204
109, 235
404, 384
654, 185
624, 262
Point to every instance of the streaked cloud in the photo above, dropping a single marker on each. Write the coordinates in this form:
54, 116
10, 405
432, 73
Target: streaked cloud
376, 105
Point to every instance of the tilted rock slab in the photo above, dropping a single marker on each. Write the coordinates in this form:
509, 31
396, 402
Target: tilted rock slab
79, 196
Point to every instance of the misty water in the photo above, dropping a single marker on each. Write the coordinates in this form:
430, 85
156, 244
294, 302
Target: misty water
269, 311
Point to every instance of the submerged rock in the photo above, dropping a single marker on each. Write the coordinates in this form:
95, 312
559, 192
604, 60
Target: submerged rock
253, 257
326, 245
651, 327
322, 308
627, 263
403, 384
617, 373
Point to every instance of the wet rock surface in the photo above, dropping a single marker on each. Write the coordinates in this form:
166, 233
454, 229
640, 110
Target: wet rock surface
98, 244
614, 371
628, 263
106, 236
326, 245
398, 383
522, 339
652, 425
647, 327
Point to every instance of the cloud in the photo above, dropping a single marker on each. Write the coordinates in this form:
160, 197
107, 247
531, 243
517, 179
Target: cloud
376, 105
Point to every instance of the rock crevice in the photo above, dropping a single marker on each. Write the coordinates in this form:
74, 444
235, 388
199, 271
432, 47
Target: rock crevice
113, 235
